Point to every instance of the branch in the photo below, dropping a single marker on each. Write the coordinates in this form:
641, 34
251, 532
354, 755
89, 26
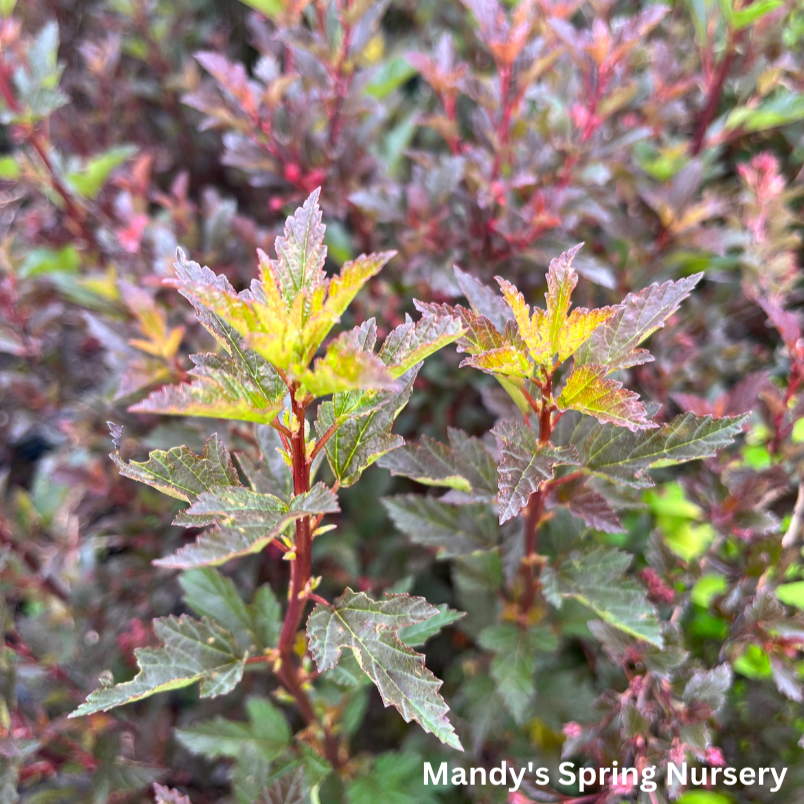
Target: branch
712, 101
323, 440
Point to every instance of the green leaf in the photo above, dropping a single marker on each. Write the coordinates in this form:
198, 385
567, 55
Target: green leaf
245, 523
369, 628
525, 464
255, 626
614, 343
346, 367
704, 797
37, 84
223, 389
564, 331
196, 284
300, 251
391, 75
587, 391
292, 788
42, 261
466, 465
194, 650
412, 342
214, 595
270, 8
180, 473
267, 733
507, 361
89, 180
272, 475
554, 331
750, 14
394, 778
115, 776
9, 169
623, 456
362, 438
791, 594
418, 634
783, 108
341, 292
597, 579
515, 650
452, 530
266, 614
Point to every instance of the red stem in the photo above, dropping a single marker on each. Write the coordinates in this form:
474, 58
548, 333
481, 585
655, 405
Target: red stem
712, 101
505, 116
300, 570
74, 212
343, 81
535, 507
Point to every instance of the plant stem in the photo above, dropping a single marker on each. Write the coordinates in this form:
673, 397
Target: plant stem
533, 516
712, 100
77, 215
535, 507
504, 125
323, 440
300, 570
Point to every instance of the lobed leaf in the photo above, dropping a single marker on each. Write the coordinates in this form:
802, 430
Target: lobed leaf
554, 331
623, 455
507, 361
245, 522
584, 502
515, 650
465, 465
266, 733
180, 473
412, 342
342, 290
419, 633
479, 335
255, 626
614, 344
369, 629
588, 391
709, 687
452, 530
362, 435
301, 252
285, 315
346, 367
525, 464
194, 650
532, 328
222, 390
597, 579
194, 283
483, 300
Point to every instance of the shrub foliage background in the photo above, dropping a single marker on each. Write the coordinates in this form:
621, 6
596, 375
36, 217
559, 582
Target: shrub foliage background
580, 591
